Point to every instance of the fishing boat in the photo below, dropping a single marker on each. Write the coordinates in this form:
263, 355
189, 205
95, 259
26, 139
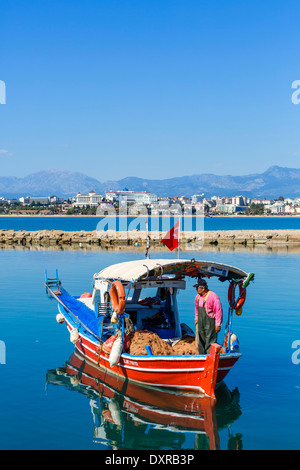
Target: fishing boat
136, 297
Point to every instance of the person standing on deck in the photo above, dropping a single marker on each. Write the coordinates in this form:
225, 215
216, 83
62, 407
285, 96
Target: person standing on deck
208, 316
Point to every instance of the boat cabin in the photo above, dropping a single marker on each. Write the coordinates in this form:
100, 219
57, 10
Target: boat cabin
151, 288
151, 304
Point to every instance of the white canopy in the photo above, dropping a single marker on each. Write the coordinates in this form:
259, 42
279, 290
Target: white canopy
141, 269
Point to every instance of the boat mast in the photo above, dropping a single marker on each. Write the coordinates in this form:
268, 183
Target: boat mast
179, 235
147, 240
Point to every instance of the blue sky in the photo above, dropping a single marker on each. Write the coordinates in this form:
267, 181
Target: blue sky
152, 89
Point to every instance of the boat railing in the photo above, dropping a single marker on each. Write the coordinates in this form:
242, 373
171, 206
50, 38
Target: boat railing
52, 283
104, 308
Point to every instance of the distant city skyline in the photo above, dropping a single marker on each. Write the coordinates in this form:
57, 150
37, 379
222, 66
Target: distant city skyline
152, 90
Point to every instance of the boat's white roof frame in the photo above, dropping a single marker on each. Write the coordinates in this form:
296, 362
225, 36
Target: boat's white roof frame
132, 271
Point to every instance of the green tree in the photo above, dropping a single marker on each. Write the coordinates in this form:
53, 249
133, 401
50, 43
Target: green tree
255, 209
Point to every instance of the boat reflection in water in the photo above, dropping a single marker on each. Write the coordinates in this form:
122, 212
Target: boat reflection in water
128, 416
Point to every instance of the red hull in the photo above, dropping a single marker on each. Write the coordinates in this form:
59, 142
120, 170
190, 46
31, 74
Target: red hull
199, 373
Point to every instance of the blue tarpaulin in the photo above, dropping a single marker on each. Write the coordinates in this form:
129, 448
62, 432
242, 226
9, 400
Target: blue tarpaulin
82, 312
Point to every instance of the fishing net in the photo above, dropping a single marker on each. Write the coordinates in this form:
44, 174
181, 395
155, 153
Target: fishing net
141, 338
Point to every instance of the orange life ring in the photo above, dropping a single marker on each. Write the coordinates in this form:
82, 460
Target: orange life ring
242, 295
117, 297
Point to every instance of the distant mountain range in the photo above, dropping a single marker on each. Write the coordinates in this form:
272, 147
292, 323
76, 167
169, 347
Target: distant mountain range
276, 181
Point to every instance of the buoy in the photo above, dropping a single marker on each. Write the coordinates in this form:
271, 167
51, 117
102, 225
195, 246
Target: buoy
234, 343
60, 318
116, 352
74, 380
114, 408
117, 297
74, 336
239, 311
107, 416
86, 295
242, 295
114, 318
108, 344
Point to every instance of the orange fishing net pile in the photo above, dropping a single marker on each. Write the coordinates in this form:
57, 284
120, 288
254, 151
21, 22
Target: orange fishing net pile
141, 338
185, 346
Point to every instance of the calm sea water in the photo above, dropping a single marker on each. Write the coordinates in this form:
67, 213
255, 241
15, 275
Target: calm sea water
42, 407
90, 223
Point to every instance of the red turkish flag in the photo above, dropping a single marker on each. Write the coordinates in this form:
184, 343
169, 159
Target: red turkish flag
172, 238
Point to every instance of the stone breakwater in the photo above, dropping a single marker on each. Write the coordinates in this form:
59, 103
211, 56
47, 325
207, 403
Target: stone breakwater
138, 238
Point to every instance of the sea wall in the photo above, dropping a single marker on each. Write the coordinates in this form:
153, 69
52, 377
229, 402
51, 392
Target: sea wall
138, 238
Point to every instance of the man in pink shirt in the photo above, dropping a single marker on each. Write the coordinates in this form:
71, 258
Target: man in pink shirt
208, 316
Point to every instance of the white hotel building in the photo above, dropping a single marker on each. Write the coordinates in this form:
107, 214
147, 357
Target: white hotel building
91, 199
136, 197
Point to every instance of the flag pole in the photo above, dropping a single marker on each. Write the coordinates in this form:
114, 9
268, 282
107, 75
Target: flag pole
147, 240
179, 237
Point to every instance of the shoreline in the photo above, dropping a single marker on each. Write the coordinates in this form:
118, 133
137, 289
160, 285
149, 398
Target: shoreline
190, 240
